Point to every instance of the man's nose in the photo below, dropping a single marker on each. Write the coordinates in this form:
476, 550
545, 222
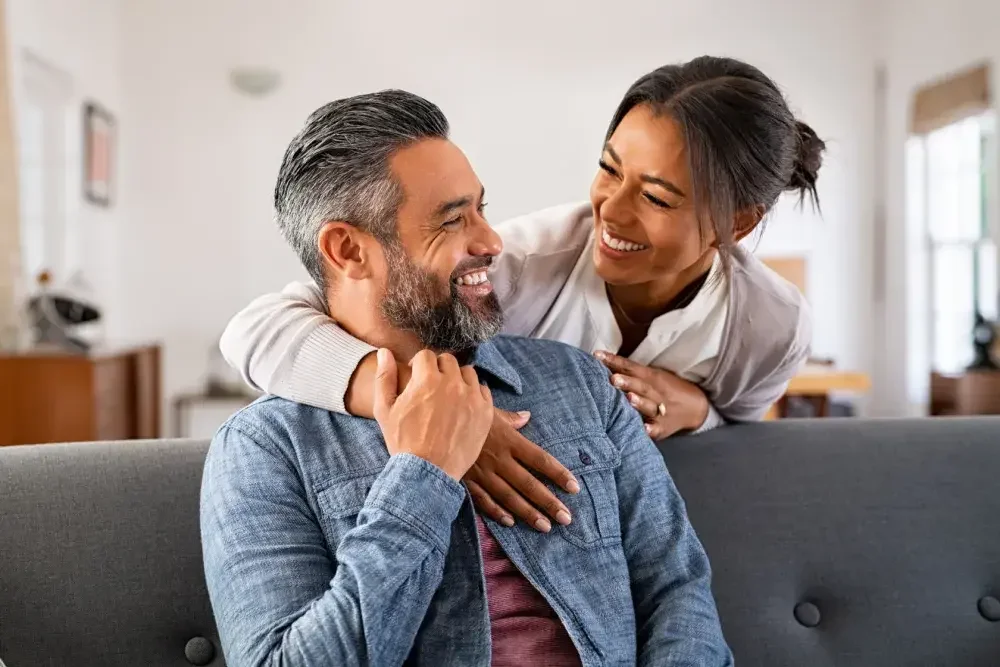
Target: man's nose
485, 241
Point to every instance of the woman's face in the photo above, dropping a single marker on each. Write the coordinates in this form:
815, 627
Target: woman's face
644, 215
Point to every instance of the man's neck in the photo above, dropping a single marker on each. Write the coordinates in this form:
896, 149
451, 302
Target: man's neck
365, 322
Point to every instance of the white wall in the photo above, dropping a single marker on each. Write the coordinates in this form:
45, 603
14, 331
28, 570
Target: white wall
529, 88
923, 40
80, 38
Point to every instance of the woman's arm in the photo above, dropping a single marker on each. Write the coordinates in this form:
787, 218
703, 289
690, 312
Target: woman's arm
285, 344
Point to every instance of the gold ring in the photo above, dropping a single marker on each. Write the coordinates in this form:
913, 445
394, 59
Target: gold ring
662, 409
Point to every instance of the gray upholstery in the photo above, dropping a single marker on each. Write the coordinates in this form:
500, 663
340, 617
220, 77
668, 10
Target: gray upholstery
833, 543
890, 530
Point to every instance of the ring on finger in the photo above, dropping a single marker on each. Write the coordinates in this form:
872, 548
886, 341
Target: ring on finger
661, 409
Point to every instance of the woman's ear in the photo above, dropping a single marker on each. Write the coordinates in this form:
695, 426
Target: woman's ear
346, 250
747, 221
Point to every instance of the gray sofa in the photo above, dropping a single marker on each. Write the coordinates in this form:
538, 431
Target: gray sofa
833, 542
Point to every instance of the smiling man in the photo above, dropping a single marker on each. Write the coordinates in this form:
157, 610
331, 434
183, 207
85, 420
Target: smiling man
337, 540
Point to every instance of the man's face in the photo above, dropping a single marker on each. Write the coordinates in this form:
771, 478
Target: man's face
436, 282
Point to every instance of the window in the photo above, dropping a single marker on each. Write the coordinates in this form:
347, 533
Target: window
948, 171
43, 113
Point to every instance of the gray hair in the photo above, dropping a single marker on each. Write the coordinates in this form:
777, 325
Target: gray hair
337, 168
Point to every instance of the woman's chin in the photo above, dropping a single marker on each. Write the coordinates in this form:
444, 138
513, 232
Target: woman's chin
614, 272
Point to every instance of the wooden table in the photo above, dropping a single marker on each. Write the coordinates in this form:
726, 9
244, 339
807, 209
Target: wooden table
815, 383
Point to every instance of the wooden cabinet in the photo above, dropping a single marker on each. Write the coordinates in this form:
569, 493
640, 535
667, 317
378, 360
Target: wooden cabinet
112, 395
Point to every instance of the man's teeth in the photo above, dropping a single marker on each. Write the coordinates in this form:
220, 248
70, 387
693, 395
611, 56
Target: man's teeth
476, 278
620, 244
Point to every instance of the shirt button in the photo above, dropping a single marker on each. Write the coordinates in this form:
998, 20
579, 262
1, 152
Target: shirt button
585, 458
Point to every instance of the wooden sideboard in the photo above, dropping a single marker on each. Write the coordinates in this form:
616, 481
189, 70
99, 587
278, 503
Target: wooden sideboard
54, 397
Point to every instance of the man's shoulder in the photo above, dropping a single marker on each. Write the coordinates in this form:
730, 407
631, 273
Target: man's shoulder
545, 359
277, 421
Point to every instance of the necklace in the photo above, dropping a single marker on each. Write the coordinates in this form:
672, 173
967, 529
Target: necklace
682, 300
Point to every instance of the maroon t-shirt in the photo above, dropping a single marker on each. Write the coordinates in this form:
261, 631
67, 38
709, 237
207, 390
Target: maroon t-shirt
524, 628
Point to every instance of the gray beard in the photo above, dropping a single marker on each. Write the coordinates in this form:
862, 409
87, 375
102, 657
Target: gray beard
413, 302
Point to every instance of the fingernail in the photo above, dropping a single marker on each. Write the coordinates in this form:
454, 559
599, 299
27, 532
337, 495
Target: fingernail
507, 521
600, 354
524, 414
543, 525
619, 381
382, 355
633, 399
649, 429
563, 517
572, 486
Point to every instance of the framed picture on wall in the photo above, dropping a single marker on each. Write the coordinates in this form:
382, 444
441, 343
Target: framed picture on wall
98, 154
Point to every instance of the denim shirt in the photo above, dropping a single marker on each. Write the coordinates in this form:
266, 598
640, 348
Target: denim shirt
321, 549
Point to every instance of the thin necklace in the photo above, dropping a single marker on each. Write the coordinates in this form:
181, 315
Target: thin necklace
682, 300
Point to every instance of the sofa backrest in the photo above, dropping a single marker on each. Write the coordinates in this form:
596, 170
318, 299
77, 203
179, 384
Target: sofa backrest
851, 543
100, 557
834, 542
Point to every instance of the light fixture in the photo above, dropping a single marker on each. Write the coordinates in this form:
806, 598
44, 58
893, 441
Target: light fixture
254, 81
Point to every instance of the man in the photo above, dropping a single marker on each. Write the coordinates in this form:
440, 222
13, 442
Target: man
336, 540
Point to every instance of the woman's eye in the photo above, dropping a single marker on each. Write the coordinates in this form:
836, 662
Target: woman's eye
607, 168
655, 201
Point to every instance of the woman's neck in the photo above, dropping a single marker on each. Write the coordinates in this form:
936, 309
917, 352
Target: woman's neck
644, 302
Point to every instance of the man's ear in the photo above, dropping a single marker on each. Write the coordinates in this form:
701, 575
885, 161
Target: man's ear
346, 250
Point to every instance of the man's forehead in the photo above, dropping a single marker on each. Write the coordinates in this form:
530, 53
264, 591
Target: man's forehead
433, 172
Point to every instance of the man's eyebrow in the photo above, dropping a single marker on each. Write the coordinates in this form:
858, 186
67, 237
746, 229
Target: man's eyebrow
455, 204
646, 178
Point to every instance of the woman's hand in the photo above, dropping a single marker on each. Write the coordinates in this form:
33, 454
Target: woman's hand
501, 482
667, 403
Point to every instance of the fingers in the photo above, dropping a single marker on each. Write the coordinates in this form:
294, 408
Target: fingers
663, 428
647, 408
485, 504
424, 364
448, 365
385, 382
487, 395
510, 499
618, 364
544, 464
629, 383
469, 375
535, 492
516, 420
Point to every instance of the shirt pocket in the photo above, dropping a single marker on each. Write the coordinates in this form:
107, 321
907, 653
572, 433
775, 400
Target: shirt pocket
340, 501
593, 460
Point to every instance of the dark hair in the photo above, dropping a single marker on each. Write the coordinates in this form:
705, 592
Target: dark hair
744, 145
337, 168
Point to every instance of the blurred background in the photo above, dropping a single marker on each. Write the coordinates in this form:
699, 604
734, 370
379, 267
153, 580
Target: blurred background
140, 139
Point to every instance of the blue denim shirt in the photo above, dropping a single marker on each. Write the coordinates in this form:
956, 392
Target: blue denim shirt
320, 549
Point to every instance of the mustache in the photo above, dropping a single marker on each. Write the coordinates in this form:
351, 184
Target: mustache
471, 264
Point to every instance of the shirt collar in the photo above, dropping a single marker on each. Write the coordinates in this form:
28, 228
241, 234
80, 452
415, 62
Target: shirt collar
489, 359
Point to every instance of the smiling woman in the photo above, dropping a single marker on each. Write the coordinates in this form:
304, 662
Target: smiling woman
649, 275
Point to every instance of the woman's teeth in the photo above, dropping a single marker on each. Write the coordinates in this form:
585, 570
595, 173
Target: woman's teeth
620, 244
476, 278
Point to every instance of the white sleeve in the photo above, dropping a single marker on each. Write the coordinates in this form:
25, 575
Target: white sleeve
285, 344
712, 420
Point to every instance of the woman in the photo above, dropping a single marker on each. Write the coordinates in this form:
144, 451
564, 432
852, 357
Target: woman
648, 275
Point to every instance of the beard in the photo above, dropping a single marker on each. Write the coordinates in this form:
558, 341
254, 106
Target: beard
421, 303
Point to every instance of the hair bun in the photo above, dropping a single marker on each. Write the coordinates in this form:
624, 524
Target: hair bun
808, 160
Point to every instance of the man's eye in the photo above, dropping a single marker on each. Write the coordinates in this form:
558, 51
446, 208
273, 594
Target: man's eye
452, 224
482, 207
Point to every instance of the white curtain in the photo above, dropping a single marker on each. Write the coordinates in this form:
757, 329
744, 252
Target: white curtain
9, 220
